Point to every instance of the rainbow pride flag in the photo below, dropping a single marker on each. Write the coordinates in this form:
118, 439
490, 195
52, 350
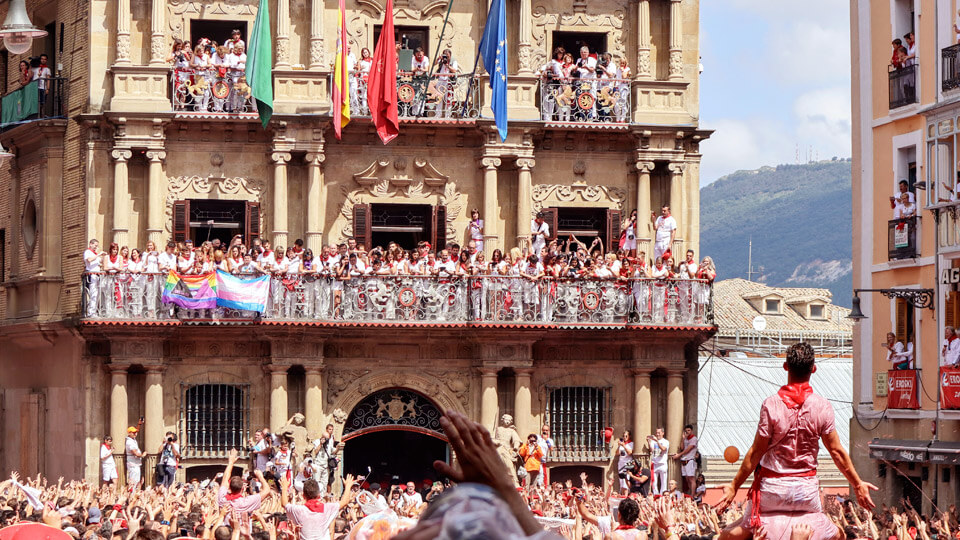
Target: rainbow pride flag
239, 293
191, 292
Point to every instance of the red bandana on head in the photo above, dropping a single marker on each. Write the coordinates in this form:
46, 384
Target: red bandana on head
793, 395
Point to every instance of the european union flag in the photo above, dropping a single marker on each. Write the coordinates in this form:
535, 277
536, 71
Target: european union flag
493, 49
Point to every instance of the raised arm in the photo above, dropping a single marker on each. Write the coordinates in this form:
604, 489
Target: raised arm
845, 464
749, 464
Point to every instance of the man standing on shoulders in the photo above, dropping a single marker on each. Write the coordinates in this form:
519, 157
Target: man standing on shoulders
665, 229
314, 517
134, 457
688, 460
658, 460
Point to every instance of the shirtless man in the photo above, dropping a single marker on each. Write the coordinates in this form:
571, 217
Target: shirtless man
785, 489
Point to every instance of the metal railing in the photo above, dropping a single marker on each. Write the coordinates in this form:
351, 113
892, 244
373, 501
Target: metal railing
423, 299
577, 416
902, 238
216, 89
38, 99
950, 64
443, 96
585, 100
903, 85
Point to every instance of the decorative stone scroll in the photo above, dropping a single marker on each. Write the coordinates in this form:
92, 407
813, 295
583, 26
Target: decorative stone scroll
561, 193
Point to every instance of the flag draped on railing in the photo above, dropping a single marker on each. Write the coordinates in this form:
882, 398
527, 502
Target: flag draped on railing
382, 82
248, 294
341, 85
217, 289
260, 63
191, 292
493, 50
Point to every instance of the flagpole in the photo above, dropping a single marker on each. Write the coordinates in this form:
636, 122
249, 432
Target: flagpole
476, 63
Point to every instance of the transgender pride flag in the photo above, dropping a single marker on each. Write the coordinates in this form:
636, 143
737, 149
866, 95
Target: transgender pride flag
191, 292
246, 294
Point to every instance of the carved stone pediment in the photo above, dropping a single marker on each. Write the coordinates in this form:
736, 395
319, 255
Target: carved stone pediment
544, 195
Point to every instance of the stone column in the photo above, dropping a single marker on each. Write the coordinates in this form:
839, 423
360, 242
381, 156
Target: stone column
674, 410
121, 196
313, 402
123, 38
153, 427
118, 407
521, 403
316, 35
644, 168
525, 40
156, 193
643, 40
676, 40
283, 35
278, 396
316, 201
524, 198
491, 209
676, 198
280, 200
158, 42
488, 398
642, 424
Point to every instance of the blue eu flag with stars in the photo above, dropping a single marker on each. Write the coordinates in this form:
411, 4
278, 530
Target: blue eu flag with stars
493, 49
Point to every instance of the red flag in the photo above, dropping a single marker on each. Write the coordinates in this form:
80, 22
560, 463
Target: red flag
382, 82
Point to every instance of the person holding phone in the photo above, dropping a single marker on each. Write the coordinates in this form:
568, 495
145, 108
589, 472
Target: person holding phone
134, 456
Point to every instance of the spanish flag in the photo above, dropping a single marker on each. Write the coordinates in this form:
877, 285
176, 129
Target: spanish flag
341, 85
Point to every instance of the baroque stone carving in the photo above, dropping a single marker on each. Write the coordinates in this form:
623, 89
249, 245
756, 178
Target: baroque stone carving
551, 15
676, 64
432, 186
157, 48
206, 184
316, 52
339, 380
123, 48
181, 11
282, 45
543, 193
361, 23
643, 62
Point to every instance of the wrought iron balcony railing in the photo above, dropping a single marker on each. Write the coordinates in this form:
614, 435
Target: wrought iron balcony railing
950, 64
586, 100
443, 96
422, 299
903, 86
217, 90
40, 98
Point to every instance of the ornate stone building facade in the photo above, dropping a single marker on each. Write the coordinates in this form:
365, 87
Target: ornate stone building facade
134, 157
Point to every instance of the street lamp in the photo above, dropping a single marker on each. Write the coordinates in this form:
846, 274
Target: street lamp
17, 30
918, 298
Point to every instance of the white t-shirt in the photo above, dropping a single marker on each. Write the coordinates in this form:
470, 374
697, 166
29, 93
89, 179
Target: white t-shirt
422, 65
540, 241
589, 62
167, 261
313, 525
658, 453
106, 458
953, 352
260, 461
131, 446
665, 226
901, 211
91, 260
407, 499
171, 460
687, 443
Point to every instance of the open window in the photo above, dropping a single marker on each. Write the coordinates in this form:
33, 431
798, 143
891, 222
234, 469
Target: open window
573, 41
201, 220
586, 224
409, 38
405, 224
216, 30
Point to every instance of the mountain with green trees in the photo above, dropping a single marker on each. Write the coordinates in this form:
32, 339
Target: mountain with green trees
799, 217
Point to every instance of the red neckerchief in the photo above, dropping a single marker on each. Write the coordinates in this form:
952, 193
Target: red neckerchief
113, 258
314, 505
793, 395
624, 527
233, 496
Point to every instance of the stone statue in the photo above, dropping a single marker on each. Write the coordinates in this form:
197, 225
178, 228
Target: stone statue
508, 442
296, 431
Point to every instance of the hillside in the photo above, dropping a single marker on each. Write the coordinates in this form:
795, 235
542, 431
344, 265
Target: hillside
799, 219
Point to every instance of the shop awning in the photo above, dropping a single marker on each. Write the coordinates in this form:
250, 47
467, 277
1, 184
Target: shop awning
945, 452
899, 450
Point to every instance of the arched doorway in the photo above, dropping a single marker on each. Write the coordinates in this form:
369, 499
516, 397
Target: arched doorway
397, 434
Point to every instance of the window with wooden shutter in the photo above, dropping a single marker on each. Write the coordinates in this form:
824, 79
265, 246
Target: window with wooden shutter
251, 227
181, 221
902, 317
613, 230
439, 227
361, 224
950, 309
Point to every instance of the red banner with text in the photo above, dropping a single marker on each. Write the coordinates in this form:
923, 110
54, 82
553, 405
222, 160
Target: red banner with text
949, 388
903, 389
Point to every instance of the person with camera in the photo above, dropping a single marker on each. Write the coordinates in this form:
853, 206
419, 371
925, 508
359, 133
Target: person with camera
325, 452
624, 460
168, 461
447, 71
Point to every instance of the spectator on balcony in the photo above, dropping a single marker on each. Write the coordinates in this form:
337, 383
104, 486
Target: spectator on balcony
26, 74
898, 354
586, 64
896, 60
665, 230
906, 209
903, 188
911, 45
539, 232
220, 59
42, 73
950, 354
92, 258
447, 71
420, 64
234, 40
201, 58
552, 75
956, 27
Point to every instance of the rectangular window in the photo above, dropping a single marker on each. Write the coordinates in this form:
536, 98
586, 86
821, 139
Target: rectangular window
409, 38
577, 416
215, 30
816, 311
771, 306
573, 41
214, 418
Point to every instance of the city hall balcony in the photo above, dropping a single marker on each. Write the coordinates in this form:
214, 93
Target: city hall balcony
439, 97
401, 300
37, 100
903, 85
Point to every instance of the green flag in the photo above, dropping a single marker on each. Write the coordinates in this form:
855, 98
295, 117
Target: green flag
260, 63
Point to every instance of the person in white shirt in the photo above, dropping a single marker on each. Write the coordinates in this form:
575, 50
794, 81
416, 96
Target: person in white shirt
539, 233
659, 448
314, 518
687, 456
904, 187
169, 458
665, 228
624, 459
42, 74
587, 70
906, 209
911, 49
447, 70
897, 354
108, 467
546, 446
134, 457
950, 355
420, 63
410, 499
92, 258
234, 40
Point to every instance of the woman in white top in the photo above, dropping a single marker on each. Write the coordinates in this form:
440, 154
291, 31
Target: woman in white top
630, 235
152, 281
660, 272
113, 265
235, 260
476, 229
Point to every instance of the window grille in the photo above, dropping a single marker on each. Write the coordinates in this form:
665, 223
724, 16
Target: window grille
577, 416
214, 418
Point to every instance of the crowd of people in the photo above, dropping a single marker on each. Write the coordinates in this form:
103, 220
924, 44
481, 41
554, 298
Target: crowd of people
211, 76
546, 281
592, 87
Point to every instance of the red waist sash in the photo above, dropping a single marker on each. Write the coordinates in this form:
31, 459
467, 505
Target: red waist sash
754, 494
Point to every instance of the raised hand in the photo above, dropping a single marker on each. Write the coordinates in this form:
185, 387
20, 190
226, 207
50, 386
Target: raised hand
801, 531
